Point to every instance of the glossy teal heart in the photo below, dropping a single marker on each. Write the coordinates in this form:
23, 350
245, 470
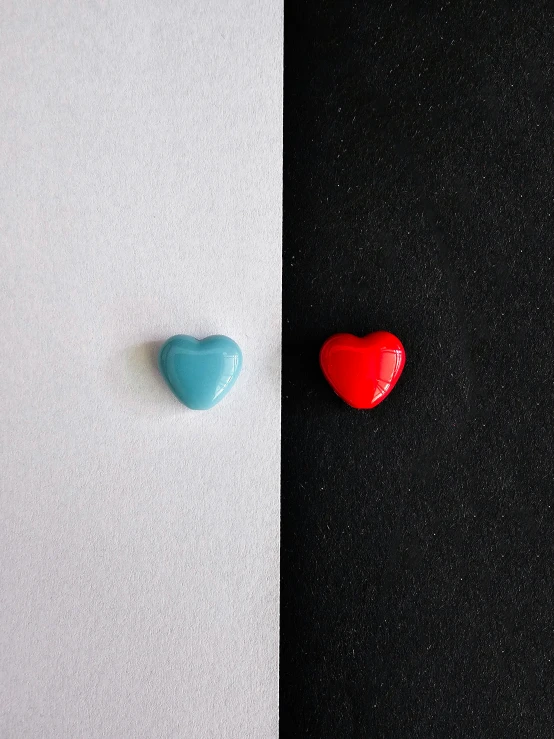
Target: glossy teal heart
200, 373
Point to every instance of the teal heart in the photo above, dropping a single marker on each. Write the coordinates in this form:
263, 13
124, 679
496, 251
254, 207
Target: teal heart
200, 373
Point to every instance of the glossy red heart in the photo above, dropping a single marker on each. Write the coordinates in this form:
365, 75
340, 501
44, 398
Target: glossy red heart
362, 371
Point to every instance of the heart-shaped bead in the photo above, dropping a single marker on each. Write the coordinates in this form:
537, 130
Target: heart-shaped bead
200, 372
362, 371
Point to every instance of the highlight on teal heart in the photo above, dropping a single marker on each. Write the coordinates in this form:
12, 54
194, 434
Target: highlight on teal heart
200, 372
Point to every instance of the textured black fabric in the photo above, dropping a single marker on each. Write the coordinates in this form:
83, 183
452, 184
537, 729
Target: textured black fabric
418, 538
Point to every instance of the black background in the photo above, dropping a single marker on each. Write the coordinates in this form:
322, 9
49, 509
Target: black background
418, 538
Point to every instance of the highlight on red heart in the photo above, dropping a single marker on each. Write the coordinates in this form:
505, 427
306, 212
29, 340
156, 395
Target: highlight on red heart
362, 371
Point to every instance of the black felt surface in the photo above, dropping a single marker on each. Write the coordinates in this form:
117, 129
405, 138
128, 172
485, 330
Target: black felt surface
418, 538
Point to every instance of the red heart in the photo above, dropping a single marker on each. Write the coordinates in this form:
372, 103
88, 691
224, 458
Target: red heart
362, 371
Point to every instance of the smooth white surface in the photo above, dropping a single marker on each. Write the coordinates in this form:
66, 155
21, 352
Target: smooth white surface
140, 194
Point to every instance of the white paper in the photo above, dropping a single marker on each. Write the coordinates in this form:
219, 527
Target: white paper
140, 192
